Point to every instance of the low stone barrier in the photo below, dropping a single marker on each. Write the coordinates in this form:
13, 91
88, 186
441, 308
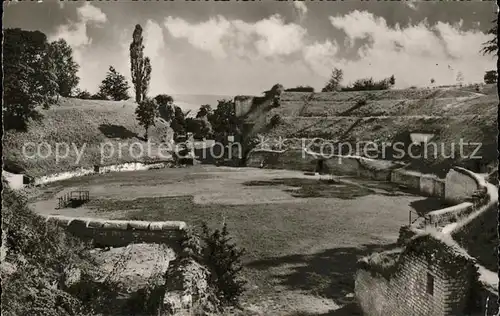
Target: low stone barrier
131, 166
450, 214
295, 159
407, 178
461, 184
119, 233
431, 185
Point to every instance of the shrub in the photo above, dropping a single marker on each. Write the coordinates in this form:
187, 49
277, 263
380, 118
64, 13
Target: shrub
215, 250
301, 89
275, 120
41, 254
361, 102
223, 259
84, 95
367, 84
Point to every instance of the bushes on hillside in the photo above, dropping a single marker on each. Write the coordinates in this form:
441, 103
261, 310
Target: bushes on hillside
370, 84
38, 259
275, 120
301, 89
84, 95
334, 83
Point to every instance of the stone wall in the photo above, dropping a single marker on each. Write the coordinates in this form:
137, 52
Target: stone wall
478, 235
430, 277
450, 214
242, 105
15, 181
117, 233
461, 184
431, 185
132, 166
294, 159
407, 178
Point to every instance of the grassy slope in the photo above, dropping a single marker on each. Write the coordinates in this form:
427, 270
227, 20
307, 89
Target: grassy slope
77, 123
452, 114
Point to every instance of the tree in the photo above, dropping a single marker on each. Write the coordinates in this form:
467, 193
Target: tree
146, 112
140, 66
491, 46
333, 83
29, 77
146, 78
114, 86
85, 95
392, 80
205, 110
223, 119
171, 113
460, 78
490, 77
65, 67
165, 106
200, 127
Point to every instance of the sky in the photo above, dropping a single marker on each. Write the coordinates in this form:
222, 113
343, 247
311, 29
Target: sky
235, 47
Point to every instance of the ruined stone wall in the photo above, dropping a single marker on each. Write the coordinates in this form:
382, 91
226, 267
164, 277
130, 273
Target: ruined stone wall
405, 288
117, 233
460, 185
242, 105
478, 235
286, 159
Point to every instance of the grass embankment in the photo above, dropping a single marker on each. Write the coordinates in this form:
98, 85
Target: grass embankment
390, 116
84, 126
39, 263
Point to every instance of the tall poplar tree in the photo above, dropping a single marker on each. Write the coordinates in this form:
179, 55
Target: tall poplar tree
140, 66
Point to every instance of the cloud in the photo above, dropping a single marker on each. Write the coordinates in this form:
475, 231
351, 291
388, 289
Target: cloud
414, 54
223, 38
300, 8
320, 57
75, 32
411, 4
155, 49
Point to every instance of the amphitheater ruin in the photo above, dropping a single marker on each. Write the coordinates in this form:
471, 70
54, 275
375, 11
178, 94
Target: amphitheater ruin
444, 262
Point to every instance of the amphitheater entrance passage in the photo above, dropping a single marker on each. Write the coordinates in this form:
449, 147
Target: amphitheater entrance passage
320, 165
